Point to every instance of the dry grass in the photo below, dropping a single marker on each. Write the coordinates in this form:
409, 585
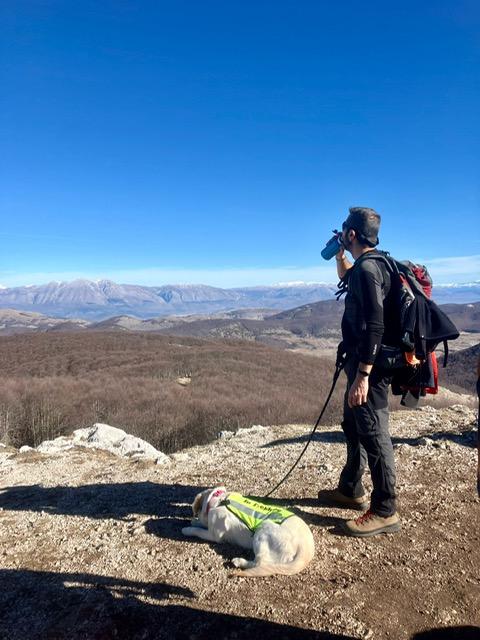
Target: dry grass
54, 383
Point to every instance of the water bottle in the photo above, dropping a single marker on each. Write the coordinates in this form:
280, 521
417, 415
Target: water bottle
333, 246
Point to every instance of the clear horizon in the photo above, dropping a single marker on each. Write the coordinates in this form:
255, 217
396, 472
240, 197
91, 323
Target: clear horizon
152, 143
466, 271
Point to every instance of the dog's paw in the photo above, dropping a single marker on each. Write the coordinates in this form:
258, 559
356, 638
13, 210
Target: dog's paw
240, 563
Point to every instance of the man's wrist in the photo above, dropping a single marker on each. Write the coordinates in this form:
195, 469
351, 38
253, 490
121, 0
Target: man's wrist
363, 373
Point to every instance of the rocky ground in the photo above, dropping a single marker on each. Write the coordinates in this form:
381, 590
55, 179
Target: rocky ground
90, 543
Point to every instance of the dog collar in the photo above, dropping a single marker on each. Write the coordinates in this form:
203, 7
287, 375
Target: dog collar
215, 494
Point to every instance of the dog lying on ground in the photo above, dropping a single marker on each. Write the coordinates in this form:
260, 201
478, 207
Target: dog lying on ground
281, 541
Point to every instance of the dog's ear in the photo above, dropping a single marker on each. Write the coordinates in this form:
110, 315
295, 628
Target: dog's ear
197, 504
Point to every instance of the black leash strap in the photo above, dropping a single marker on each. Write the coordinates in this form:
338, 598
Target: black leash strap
341, 360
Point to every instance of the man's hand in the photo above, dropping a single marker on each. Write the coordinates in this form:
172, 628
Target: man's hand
343, 264
358, 392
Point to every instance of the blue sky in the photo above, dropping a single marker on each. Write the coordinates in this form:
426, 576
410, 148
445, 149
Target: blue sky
221, 142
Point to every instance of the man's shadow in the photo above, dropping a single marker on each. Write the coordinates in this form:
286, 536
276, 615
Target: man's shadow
43, 605
101, 501
167, 504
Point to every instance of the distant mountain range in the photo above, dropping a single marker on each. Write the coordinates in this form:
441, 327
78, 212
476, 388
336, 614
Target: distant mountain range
89, 300
102, 299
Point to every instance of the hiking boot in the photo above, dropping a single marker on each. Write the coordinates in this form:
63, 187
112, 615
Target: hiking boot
370, 524
335, 498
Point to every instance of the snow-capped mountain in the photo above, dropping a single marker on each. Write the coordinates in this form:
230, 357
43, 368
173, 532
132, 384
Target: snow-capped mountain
457, 293
104, 298
96, 300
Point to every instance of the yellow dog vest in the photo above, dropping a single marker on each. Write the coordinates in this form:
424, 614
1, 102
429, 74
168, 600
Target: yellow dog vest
254, 514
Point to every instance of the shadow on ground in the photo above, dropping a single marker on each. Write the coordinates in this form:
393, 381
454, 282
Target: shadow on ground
118, 500
168, 504
467, 438
79, 606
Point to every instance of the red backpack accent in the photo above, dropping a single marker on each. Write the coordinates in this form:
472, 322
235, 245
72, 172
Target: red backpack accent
422, 277
434, 364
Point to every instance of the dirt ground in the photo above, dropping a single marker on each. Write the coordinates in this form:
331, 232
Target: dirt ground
91, 548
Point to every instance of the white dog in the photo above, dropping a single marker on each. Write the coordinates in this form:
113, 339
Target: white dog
281, 541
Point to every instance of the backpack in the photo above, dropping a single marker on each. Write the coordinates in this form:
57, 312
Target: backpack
422, 326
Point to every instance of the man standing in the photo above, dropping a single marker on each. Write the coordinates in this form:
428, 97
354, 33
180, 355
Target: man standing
368, 321
478, 427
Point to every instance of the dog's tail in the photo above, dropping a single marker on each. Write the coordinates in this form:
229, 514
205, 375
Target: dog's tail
303, 556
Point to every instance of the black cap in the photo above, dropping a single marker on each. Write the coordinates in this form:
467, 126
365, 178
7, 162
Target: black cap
366, 223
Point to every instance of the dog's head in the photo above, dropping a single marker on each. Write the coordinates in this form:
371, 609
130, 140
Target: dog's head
199, 506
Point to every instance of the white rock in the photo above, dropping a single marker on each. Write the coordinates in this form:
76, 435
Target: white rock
25, 448
117, 441
107, 438
4, 446
55, 446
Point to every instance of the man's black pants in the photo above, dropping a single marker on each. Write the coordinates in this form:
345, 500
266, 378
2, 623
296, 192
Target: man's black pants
368, 441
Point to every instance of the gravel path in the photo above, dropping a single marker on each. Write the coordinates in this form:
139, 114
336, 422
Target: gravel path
90, 544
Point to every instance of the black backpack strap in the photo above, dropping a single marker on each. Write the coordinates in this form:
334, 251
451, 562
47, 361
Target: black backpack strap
380, 255
445, 353
342, 286
420, 328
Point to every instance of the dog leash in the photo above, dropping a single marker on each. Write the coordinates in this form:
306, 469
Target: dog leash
339, 365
